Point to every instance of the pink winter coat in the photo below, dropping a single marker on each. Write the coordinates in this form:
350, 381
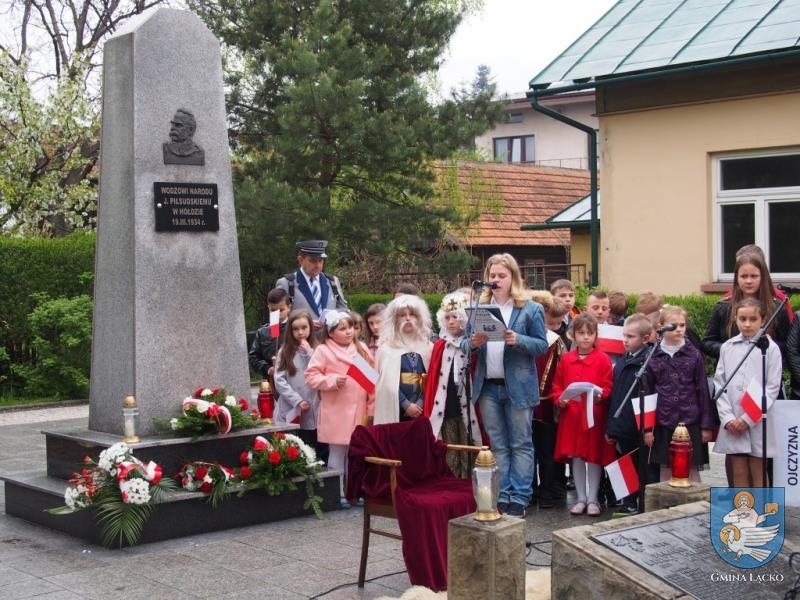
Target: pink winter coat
340, 410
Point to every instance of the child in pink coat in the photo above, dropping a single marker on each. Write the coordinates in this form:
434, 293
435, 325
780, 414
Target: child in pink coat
344, 404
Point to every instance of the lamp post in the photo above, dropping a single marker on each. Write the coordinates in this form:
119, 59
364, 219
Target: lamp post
680, 457
486, 486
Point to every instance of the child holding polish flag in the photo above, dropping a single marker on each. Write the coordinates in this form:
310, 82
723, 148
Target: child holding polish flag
578, 441
623, 430
344, 403
739, 407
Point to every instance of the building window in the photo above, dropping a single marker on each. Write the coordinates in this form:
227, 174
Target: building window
514, 117
514, 149
757, 201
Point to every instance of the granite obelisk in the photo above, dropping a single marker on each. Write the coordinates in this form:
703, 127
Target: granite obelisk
168, 314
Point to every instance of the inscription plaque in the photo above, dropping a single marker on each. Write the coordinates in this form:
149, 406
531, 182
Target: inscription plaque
186, 206
680, 552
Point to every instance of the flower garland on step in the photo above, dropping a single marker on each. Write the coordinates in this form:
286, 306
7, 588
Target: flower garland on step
211, 410
272, 464
121, 489
208, 478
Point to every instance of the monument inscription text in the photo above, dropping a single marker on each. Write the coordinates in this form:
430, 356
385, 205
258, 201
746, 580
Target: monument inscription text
186, 206
680, 553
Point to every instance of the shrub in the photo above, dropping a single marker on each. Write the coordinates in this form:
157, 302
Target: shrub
58, 267
62, 341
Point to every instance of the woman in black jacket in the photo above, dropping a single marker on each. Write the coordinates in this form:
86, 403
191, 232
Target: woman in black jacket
751, 279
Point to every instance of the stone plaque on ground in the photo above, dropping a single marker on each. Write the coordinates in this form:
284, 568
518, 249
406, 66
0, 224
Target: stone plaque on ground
168, 313
679, 552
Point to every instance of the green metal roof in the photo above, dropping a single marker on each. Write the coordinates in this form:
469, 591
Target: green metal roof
577, 215
641, 35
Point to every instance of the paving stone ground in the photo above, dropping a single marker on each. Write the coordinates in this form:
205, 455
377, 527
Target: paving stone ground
289, 560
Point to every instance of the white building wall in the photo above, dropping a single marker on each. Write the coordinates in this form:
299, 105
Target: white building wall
556, 144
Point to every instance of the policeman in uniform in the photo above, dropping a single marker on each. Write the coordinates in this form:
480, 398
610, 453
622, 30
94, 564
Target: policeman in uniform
308, 287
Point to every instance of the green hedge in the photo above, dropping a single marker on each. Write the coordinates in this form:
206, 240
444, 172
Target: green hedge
32, 270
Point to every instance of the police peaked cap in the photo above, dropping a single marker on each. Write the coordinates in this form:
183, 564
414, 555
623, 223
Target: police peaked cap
313, 248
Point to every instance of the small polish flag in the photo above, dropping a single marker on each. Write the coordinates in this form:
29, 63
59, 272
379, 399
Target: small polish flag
751, 403
363, 373
649, 411
609, 339
623, 477
275, 324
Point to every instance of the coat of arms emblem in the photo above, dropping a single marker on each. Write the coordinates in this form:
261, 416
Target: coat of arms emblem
747, 525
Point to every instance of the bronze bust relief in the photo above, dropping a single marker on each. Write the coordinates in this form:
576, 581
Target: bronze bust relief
182, 150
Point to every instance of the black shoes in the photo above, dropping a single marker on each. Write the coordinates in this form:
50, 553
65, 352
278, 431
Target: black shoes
502, 507
516, 510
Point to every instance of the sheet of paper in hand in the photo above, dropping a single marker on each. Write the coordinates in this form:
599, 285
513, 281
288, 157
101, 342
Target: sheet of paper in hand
574, 391
488, 320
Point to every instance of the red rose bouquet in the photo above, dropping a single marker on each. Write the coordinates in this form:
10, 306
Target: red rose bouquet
277, 464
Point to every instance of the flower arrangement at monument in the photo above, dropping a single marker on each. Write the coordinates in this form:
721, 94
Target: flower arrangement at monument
272, 464
211, 410
120, 488
208, 478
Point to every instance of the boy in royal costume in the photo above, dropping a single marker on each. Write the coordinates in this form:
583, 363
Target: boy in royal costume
447, 391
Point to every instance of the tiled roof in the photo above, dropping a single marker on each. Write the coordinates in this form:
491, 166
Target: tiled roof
518, 194
639, 35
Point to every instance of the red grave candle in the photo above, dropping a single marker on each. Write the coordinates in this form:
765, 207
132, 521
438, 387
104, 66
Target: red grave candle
680, 457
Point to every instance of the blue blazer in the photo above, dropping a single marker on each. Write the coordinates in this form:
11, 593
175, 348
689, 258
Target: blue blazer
522, 380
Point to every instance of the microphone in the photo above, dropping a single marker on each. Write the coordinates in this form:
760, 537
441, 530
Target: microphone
669, 327
788, 289
487, 284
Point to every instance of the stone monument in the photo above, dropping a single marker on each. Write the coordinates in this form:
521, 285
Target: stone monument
168, 314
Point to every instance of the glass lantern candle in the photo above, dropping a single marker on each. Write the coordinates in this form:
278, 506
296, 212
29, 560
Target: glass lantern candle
680, 457
486, 486
130, 415
266, 400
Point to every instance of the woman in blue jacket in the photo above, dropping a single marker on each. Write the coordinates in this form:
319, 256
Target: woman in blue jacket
506, 384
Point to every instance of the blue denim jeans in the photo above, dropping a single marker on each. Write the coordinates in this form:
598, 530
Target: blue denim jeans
510, 433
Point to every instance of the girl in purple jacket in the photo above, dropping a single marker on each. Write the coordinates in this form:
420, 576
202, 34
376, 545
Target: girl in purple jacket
677, 374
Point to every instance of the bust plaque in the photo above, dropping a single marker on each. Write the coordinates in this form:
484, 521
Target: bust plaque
182, 150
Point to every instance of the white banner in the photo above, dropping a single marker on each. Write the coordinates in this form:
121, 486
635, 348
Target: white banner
786, 466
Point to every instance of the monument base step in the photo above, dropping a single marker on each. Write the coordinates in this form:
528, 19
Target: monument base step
66, 448
28, 496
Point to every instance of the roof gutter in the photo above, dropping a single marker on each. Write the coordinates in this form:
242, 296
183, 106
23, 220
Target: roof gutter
556, 225
592, 139
543, 90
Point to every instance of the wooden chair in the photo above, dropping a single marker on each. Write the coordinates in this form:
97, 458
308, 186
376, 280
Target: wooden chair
385, 506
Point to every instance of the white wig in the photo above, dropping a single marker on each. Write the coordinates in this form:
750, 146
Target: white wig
453, 303
391, 335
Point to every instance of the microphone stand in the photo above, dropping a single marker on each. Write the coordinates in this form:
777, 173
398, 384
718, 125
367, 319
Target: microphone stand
763, 345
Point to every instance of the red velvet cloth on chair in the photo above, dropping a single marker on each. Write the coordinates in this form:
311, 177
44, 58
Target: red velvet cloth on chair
427, 495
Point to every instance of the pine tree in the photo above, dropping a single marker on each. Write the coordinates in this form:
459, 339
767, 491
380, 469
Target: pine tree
336, 129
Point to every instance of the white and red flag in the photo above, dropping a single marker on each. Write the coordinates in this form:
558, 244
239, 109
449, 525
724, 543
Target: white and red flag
623, 477
609, 339
363, 373
650, 403
751, 402
275, 324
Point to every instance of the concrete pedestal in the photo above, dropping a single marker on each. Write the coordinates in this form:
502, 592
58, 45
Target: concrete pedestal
662, 495
486, 560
